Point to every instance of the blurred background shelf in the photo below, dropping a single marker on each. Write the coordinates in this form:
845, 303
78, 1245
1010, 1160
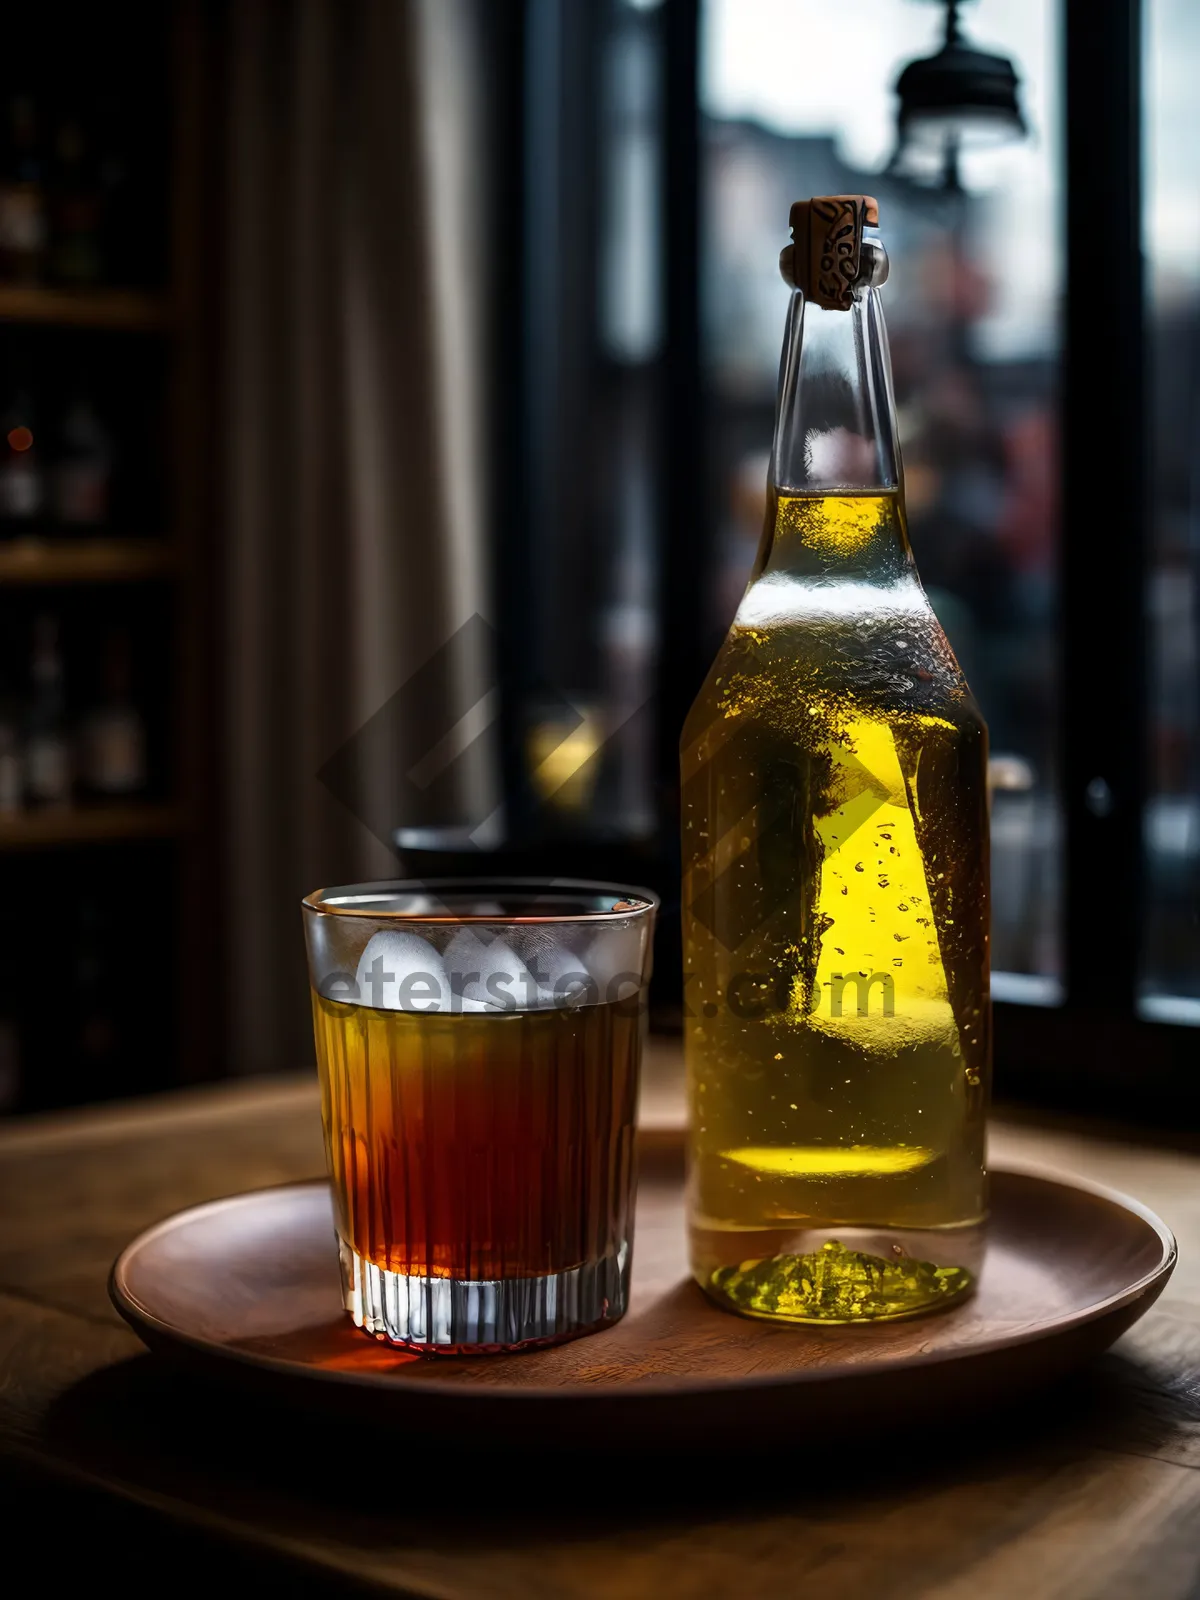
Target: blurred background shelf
89, 825
126, 309
38, 561
107, 560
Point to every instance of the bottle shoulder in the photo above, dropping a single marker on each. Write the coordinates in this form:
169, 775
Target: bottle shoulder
886, 656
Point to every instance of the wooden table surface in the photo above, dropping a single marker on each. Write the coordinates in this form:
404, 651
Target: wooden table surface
1091, 1493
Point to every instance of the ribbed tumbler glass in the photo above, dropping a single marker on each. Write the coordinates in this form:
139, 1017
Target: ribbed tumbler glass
479, 1045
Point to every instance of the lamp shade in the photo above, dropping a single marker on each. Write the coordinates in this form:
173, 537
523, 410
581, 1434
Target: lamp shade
960, 92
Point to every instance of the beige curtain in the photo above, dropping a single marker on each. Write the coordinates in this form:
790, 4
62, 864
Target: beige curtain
353, 487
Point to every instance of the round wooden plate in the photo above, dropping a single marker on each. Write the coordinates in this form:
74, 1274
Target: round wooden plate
248, 1287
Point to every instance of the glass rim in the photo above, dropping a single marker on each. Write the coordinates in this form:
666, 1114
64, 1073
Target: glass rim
348, 900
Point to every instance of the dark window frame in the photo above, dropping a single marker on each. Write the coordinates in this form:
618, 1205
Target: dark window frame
1093, 1050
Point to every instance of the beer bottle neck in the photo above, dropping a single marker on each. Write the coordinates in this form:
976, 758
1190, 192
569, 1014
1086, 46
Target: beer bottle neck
835, 422
836, 499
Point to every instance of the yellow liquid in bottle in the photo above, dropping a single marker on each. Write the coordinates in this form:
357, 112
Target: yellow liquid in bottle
835, 935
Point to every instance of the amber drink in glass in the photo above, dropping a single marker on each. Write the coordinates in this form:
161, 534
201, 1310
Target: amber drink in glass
478, 1048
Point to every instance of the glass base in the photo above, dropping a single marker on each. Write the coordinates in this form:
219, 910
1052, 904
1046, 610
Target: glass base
461, 1316
838, 1274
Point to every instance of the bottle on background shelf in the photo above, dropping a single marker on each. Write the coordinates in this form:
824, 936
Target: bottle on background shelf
10, 1060
22, 474
113, 749
95, 1030
47, 746
24, 233
122, 218
11, 1076
10, 1045
12, 760
81, 477
76, 209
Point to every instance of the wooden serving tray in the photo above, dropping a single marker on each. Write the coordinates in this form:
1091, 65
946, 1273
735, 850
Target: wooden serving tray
248, 1288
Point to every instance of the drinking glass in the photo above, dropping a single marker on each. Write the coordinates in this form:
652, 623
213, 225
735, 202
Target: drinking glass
478, 1045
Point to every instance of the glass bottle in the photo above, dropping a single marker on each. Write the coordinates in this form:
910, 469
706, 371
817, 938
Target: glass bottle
114, 732
835, 853
22, 479
76, 209
47, 748
82, 475
12, 763
23, 229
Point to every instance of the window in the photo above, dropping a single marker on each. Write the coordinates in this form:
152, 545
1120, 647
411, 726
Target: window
972, 304
1170, 976
1048, 389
